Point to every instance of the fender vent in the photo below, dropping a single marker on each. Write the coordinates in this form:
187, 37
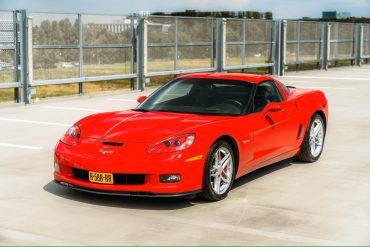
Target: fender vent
299, 131
115, 144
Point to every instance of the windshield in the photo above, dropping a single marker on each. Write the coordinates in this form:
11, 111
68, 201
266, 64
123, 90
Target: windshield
200, 96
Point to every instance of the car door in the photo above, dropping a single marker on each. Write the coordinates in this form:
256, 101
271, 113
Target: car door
275, 130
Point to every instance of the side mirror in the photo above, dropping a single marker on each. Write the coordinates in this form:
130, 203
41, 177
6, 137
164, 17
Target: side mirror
272, 107
141, 99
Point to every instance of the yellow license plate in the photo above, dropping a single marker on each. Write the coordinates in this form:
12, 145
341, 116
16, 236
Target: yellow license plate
101, 178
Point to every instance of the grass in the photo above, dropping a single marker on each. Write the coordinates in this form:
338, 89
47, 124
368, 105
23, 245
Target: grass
303, 66
47, 91
6, 95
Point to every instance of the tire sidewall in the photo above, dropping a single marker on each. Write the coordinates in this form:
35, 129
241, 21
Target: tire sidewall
207, 187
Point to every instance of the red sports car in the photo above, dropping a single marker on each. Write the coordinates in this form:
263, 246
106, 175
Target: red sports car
195, 134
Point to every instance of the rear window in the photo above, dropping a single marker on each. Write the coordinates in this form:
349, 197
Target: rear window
285, 88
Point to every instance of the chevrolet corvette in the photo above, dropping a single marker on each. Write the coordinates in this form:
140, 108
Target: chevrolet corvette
194, 135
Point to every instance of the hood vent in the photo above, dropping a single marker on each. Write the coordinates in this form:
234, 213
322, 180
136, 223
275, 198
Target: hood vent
114, 144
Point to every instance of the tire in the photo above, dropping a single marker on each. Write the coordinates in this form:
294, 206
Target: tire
308, 152
214, 177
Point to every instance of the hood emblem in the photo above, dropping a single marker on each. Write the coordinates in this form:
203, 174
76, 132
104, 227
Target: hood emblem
104, 151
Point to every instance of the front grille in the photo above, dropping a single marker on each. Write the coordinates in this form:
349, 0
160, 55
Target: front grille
118, 178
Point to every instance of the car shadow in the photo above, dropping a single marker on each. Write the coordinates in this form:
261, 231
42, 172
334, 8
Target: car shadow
143, 203
263, 172
157, 203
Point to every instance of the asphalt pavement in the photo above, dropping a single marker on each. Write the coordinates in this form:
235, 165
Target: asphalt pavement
287, 203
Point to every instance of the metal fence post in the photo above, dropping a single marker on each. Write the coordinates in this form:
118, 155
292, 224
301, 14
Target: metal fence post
142, 53
319, 51
132, 52
24, 57
298, 37
325, 46
30, 51
358, 43
276, 48
81, 54
176, 36
280, 47
244, 26
212, 26
16, 54
221, 43
283, 47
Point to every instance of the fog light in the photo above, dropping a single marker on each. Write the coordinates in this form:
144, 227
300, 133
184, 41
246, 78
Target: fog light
169, 178
56, 167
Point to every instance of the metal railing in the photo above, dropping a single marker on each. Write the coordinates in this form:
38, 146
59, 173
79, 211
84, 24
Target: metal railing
60, 48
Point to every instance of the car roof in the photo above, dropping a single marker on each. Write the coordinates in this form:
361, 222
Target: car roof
230, 76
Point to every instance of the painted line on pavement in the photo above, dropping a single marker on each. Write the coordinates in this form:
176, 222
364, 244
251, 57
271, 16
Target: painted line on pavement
73, 108
2, 144
35, 122
125, 100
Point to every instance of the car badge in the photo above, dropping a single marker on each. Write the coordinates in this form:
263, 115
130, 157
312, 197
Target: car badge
104, 151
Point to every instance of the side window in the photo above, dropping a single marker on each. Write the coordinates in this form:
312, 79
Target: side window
266, 92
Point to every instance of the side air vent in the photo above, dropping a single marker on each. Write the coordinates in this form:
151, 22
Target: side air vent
114, 144
299, 131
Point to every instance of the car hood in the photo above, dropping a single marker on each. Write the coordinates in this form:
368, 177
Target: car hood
148, 127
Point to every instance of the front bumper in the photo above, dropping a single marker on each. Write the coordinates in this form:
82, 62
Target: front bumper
129, 160
125, 193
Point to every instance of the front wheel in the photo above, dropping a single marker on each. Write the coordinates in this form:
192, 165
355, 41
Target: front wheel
313, 142
219, 172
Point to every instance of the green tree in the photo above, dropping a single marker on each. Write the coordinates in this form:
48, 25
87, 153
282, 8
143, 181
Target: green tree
268, 15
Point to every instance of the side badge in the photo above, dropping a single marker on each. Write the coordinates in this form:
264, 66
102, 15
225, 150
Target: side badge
103, 151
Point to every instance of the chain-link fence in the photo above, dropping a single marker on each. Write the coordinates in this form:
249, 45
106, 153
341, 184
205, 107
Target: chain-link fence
7, 49
55, 46
342, 38
304, 42
81, 46
249, 43
179, 44
77, 48
107, 43
366, 41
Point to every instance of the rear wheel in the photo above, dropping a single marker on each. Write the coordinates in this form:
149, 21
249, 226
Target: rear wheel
313, 142
219, 171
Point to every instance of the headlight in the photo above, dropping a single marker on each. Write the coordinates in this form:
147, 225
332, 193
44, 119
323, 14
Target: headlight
173, 144
72, 136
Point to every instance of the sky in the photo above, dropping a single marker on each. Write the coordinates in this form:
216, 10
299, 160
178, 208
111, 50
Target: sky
282, 9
